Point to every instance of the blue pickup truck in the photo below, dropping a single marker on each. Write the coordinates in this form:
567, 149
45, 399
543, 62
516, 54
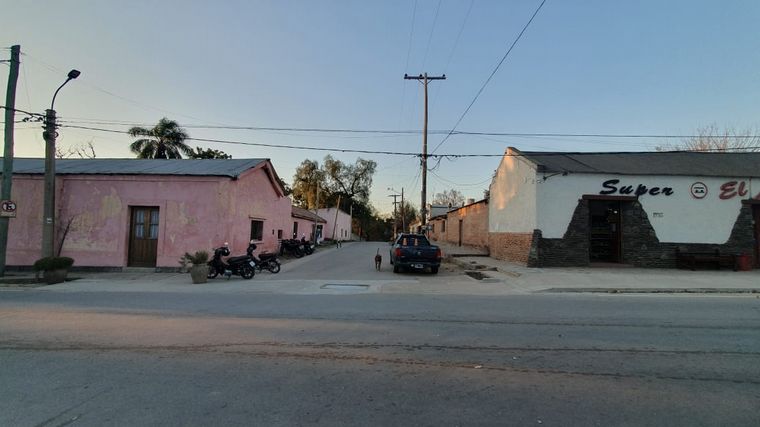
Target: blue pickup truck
414, 251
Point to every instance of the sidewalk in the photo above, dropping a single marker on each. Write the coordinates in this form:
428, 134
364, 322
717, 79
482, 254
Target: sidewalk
487, 276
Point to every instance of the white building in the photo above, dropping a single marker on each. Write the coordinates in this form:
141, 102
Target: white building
572, 209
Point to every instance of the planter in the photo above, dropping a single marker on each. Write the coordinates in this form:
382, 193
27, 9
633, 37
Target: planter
199, 273
52, 277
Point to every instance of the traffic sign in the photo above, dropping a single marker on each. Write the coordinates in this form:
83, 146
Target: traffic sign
8, 209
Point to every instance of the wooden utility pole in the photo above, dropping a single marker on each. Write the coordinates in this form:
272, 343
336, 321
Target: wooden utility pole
424, 78
10, 110
395, 215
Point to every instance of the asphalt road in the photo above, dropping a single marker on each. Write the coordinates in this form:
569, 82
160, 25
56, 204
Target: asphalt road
152, 358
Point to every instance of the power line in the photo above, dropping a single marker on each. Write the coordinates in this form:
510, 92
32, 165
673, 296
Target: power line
75, 120
412, 132
519, 36
432, 30
401, 153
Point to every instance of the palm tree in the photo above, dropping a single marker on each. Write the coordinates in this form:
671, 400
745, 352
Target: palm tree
166, 140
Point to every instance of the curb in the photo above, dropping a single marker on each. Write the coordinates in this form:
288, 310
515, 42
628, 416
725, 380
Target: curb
655, 290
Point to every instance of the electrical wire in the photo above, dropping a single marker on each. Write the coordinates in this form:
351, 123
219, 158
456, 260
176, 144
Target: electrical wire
406, 66
432, 30
477, 95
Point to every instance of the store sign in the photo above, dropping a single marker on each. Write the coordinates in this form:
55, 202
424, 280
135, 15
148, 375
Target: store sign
612, 186
731, 189
698, 190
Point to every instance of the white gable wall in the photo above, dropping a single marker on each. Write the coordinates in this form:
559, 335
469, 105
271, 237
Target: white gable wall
512, 204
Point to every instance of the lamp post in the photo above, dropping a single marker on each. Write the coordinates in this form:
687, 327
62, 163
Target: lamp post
48, 209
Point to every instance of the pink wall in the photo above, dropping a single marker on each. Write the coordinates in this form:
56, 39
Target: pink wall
196, 213
342, 226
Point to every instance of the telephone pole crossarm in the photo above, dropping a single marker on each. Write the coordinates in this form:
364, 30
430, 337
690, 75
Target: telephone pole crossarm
424, 78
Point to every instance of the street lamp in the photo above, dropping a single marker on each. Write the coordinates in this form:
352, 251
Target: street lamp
48, 209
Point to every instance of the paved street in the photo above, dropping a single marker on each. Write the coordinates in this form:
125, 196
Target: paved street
222, 354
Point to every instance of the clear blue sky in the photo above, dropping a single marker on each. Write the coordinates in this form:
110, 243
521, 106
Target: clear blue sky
647, 67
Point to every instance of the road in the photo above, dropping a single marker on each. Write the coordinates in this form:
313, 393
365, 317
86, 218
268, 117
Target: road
166, 358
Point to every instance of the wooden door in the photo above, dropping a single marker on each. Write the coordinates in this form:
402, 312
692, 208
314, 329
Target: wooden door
460, 232
605, 237
143, 237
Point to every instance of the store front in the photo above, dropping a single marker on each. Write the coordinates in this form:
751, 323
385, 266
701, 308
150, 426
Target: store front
579, 209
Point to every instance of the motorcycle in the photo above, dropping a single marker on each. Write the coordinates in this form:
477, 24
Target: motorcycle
243, 266
306, 246
292, 246
267, 261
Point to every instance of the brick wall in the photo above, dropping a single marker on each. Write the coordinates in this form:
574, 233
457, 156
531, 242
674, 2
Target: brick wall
474, 219
514, 247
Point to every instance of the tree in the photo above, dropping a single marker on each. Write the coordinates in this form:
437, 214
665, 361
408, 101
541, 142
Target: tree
166, 140
711, 138
208, 153
307, 179
83, 151
407, 214
448, 198
351, 182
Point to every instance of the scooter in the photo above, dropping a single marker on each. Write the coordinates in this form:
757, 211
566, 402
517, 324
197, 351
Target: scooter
243, 266
292, 246
267, 261
306, 246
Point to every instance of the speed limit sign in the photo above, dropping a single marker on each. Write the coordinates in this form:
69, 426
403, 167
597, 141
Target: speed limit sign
8, 209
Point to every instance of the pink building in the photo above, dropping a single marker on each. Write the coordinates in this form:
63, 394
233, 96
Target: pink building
148, 213
303, 223
338, 226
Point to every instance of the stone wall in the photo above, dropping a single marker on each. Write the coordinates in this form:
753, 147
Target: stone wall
642, 248
640, 244
573, 248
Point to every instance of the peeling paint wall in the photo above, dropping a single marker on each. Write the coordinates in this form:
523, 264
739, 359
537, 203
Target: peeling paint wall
195, 213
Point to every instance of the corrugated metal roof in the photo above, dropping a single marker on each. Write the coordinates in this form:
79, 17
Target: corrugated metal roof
648, 163
303, 213
198, 167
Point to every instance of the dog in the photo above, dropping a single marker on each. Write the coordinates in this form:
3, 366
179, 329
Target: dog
378, 260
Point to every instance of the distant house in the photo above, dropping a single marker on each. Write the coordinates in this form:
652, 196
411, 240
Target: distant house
147, 213
573, 209
466, 225
304, 222
338, 226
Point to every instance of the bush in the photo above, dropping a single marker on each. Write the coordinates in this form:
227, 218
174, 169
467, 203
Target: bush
53, 263
198, 258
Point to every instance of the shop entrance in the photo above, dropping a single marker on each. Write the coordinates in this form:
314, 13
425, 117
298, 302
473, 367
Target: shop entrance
604, 232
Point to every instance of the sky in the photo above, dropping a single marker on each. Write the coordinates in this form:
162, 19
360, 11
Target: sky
581, 67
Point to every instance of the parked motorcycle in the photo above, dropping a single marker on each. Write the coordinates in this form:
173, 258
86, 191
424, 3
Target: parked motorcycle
292, 246
243, 266
306, 246
267, 261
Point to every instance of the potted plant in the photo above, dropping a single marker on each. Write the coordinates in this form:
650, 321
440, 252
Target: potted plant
54, 268
198, 269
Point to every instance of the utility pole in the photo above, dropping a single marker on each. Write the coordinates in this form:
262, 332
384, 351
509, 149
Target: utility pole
403, 219
424, 78
10, 110
48, 206
395, 216
316, 214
